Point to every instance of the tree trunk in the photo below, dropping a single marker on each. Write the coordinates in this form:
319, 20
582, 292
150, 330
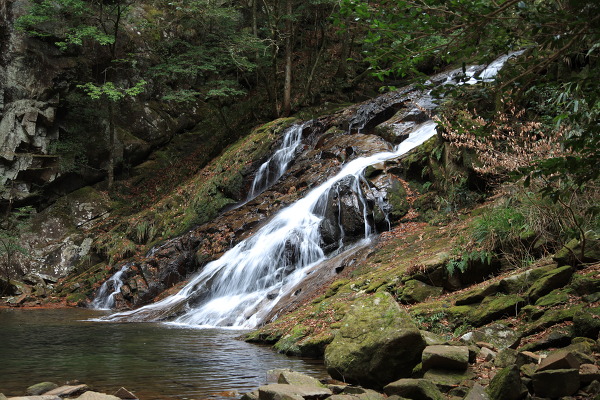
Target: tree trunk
111, 145
287, 88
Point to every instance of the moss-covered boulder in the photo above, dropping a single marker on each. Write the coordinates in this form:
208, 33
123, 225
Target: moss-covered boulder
587, 322
506, 385
416, 389
553, 298
521, 282
376, 344
478, 294
571, 253
551, 280
415, 292
447, 379
495, 307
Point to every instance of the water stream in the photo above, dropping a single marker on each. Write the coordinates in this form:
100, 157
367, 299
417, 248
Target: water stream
105, 297
247, 281
156, 361
272, 169
244, 285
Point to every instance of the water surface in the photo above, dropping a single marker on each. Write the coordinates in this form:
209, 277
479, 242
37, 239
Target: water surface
156, 361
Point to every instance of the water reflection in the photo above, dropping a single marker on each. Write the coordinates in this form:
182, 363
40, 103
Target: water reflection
156, 361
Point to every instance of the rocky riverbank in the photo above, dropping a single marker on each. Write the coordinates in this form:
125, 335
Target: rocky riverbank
448, 365
71, 390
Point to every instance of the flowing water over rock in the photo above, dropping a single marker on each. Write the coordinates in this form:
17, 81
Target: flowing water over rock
245, 284
105, 298
241, 287
272, 169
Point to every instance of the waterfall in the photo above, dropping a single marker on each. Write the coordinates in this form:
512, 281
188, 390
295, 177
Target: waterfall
243, 286
247, 281
272, 169
105, 297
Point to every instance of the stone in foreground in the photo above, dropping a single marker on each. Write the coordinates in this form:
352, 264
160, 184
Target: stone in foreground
125, 394
43, 397
446, 357
556, 383
97, 396
506, 385
68, 390
377, 343
477, 392
279, 391
40, 388
415, 389
559, 360
290, 377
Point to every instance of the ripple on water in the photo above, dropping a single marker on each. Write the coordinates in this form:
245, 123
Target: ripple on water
157, 361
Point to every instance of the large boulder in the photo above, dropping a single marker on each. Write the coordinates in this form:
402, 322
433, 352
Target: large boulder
551, 280
446, 357
506, 385
556, 383
416, 389
377, 343
280, 391
40, 388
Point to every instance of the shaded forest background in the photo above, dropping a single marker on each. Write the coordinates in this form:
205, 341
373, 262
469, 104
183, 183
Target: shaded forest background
227, 66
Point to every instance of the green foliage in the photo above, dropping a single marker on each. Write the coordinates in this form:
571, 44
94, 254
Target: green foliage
560, 69
110, 91
205, 44
461, 262
72, 22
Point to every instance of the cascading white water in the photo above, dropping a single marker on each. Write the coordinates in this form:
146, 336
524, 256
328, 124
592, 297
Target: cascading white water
248, 280
272, 169
243, 285
105, 298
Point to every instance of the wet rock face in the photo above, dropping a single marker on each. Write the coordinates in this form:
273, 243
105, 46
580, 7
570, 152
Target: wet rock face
35, 83
377, 343
325, 149
27, 108
55, 245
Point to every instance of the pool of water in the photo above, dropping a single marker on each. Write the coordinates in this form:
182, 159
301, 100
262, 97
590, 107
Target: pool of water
156, 361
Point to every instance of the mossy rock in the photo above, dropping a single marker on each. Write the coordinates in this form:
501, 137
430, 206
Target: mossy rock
554, 279
478, 294
552, 317
420, 389
77, 298
335, 286
397, 199
585, 284
570, 254
447, 379
376, 344
553, 298
40, 388
521, 282
531, 313
587, 322
314, 346
415, 291
288, 344
495, 307
506, 385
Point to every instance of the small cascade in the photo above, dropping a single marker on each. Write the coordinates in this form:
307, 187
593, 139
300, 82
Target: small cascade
105, 298
242, 287
272, 169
